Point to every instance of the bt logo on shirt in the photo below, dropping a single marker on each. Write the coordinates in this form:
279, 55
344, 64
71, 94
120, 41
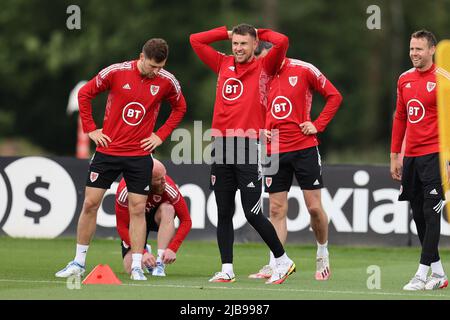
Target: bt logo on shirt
281, 108
416, 111
232, 89
133, 113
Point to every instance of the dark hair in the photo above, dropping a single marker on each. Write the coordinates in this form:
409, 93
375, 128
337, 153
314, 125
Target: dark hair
262, 45
156, 49
244, 29
432, 42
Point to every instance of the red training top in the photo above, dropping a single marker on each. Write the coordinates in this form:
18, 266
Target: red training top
416, 113
241, 94
290, 99
132, 107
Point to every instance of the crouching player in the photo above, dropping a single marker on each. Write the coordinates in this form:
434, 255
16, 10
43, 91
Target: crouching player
164, 203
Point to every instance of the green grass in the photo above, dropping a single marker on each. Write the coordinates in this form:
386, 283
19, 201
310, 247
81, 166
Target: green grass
27, 268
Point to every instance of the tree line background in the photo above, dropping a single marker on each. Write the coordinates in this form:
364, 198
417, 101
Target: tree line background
42, 60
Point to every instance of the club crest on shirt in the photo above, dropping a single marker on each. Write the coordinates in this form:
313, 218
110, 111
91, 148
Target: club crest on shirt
293, 80
213, 179
268, 181
157, 198
154, 90
431, 86
93, 176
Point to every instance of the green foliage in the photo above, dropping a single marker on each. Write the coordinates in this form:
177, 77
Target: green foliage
42, 60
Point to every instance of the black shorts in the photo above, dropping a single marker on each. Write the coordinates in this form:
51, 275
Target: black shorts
305, 164
235, 165
151, 226
421, 177
137, 172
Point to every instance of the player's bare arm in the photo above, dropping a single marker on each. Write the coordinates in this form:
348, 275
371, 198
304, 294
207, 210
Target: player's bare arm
396, 167
151, 143
99, 137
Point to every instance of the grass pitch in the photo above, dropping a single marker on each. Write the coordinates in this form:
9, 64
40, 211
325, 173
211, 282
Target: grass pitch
27, 268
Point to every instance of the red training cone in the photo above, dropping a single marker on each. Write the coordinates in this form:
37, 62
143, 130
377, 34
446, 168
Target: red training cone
102, 274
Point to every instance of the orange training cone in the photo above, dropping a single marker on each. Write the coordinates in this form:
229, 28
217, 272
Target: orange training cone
102, 274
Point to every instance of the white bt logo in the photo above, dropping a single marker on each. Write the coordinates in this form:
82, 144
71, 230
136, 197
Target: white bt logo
133, 113
281, 108
232, 89
416, 111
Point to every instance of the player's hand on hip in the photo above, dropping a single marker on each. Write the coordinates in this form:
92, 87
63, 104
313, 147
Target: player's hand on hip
308, 128
148, 260
99, 137
150, 143
396, 168
169, 256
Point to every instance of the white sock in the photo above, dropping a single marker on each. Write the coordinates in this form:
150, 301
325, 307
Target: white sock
80, 256
160, 254
422, 272
322, 249
228, 268
136, 260
272, 261
283, 259
436, 267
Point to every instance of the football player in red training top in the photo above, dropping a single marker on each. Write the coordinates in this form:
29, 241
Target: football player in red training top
294, 142
239, 115
164, 203
124, 144
416, 117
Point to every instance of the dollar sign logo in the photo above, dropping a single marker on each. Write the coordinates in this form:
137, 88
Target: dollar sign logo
30, 192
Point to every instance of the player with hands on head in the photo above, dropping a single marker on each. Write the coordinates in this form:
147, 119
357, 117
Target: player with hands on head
238, 118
